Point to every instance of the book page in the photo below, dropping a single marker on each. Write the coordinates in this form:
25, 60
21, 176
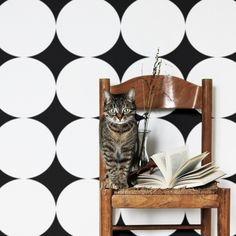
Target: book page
193, 177
198, 169
206, 169
169, 162
190, 164
156, 175
200, 181
160, 161
154, 180
151, 184
175, 158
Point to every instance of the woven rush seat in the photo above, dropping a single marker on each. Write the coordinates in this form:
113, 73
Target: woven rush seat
211, 188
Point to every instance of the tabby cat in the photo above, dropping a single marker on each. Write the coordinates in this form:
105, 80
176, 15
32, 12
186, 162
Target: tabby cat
119, 134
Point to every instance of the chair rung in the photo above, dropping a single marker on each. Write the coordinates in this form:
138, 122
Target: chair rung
154, 227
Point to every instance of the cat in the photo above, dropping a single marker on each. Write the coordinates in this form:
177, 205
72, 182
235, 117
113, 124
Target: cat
119, 134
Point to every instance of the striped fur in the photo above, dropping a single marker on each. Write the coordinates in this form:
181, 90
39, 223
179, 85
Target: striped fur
118, 137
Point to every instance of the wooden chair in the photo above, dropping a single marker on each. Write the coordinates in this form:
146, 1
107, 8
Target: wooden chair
170, 92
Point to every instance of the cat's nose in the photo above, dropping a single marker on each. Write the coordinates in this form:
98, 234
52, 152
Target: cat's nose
119, 116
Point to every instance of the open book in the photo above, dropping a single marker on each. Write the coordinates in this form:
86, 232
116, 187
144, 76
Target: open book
176, 170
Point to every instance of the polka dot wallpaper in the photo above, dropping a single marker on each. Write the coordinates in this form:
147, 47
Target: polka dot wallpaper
52, 54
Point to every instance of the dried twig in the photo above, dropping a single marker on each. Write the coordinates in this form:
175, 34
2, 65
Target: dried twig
149, 103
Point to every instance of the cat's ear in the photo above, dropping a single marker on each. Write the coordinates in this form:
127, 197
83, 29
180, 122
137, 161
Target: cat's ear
107, 96
131, 94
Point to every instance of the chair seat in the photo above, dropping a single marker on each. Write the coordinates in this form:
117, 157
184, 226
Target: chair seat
202, 197
206, 189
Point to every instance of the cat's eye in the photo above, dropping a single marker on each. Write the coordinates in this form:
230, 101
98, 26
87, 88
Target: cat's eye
113, 111
126, 110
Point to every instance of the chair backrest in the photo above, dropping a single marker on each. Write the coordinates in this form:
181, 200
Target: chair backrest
168, 92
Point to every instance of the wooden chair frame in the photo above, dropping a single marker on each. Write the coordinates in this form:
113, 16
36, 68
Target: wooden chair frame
176, 93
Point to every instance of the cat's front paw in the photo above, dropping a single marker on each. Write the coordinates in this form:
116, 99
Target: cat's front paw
114, 186
110, 184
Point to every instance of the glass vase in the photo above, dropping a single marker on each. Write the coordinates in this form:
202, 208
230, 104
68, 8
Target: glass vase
143, 155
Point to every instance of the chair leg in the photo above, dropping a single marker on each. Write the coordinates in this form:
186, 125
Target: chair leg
106, 212
206, 221
224, 212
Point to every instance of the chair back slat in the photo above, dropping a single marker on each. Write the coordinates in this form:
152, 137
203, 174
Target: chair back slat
168, 92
